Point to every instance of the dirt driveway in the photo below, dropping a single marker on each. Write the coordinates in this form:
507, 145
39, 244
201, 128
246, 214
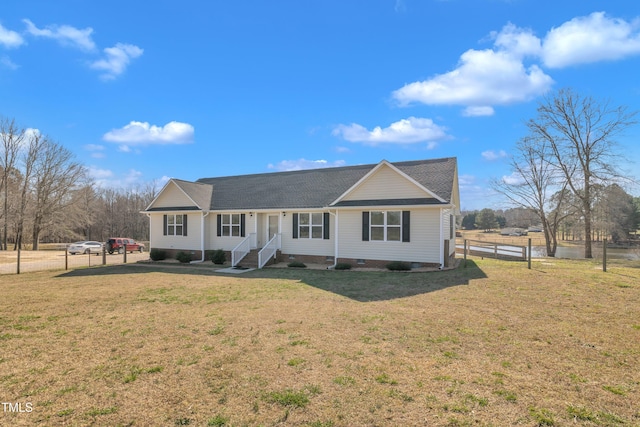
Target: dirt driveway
53, 260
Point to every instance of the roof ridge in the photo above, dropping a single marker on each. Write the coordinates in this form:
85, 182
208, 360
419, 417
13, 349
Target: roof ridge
328, 169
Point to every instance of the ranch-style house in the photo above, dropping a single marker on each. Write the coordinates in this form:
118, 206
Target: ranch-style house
366, 215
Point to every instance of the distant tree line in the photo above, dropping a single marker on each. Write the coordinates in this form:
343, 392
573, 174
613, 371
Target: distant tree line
616, 216
47, 196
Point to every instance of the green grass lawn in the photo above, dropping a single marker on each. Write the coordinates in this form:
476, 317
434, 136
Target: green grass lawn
491, 344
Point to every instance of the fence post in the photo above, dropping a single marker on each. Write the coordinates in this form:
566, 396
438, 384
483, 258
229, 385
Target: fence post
529, 253
465, 253
104, 255
18, 265
125, 252
604, 255
495, 250
66, 257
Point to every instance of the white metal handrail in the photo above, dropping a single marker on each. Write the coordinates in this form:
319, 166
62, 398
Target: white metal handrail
268, 251
241, 250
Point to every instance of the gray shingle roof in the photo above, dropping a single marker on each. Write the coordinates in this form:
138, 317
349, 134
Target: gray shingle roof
314, 188
199, 192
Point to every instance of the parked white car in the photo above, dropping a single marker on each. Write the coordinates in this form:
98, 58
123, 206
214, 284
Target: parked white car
85, 247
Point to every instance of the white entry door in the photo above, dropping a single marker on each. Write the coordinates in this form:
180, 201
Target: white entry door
273, 227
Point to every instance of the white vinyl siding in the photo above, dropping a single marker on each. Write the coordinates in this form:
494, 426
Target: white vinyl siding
227, 243
449, 229
171, 197
386, 184
192, 241
306, 246
423, 247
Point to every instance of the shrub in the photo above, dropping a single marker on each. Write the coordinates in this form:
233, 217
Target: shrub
296, 264
218, 257
343, 266
398, 266
183, 257
157, 254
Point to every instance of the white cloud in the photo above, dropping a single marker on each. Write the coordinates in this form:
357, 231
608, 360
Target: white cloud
491, 155
466, 180
511, 72
300, 164
117, 59
99, 174
483, 78
478, 111
66, 35
9, 38
143, 133
94, 147
406, 131
513, 179
592, 38
106, 178
519, 42
124, 148
97, 151
341, 149
6, 62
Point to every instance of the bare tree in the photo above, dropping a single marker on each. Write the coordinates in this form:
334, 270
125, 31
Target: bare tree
33, 144
536, 184
11, 138
55, 175
581, 133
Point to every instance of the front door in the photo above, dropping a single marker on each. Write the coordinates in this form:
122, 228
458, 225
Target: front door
273, 227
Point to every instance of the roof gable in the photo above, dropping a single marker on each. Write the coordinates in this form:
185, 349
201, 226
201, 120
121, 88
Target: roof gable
386, 182
179, 194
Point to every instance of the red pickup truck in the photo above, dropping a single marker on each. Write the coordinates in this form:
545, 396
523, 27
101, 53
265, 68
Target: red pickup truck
120, 244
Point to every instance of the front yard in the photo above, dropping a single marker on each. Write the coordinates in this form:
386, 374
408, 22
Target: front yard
490, 344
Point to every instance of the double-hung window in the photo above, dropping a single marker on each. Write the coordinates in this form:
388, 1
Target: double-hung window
231, 225
175, 225
385, 225
310, 225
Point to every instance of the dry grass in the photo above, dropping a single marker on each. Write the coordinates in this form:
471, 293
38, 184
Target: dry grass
537, 239
491, 344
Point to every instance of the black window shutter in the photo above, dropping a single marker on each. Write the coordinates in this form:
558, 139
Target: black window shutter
242, 225
219, 225
406, 226
164, 225
325, 225
295, 225
365, 226
184, 224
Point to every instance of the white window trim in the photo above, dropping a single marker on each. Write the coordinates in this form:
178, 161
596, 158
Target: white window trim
172, 222
385, 226
230, 225
311, 225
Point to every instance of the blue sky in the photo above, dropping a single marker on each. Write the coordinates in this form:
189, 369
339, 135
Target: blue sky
144, 91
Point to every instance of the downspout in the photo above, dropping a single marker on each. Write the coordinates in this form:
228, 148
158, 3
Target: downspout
441, 240
204, 215
335, 235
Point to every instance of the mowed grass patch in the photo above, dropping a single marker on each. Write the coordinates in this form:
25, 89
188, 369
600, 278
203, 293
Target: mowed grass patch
490, 344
